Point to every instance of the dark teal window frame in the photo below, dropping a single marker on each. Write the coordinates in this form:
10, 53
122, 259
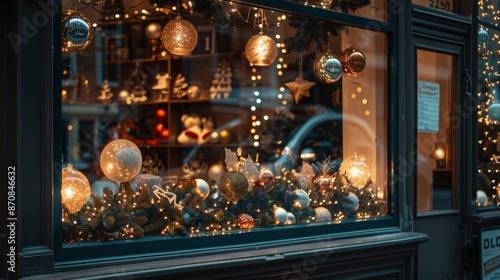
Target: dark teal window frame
70, 256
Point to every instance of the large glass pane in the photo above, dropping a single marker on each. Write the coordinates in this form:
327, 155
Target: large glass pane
488, 192
265, 121
436, 134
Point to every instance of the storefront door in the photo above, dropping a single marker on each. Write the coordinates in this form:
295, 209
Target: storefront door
442, 123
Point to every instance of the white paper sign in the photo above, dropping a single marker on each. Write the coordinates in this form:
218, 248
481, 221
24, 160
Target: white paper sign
490, 254
428, 107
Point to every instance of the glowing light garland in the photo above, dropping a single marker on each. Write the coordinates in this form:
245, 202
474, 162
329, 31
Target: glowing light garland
487, 108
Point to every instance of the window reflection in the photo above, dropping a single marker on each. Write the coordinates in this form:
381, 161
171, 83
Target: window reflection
435, 99
212, 142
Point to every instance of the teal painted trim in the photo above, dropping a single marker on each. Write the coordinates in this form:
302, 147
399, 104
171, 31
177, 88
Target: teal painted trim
96, 252
323, 14
280, 259
57, 130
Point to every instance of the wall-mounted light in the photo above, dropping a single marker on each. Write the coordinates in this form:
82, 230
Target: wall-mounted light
439, 154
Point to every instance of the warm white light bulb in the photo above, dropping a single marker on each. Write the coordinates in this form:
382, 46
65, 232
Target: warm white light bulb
439, 153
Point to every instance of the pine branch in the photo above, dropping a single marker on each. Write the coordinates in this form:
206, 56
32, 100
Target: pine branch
314, 32
309, 33
214, 11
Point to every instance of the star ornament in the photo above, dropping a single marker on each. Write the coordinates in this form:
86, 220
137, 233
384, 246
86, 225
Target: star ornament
299, 88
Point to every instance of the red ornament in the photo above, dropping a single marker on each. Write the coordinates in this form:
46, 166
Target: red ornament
165, 133
152, 141
323, 183
259, 183
245, 221
158, 129
161, 115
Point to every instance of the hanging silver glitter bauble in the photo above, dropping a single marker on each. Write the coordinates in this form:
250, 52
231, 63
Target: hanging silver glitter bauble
121, 160
328, 68
322, 214
179, 37
77, 31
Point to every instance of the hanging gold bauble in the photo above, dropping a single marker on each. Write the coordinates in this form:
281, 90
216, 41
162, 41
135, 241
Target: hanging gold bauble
328, 68
355, 172
77, 31
121, 160
215, 172
153, 30
261, 50
75, 189
233, 186
224, 136
353, 61
179, 37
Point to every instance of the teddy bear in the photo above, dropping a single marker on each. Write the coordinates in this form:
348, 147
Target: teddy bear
207, 130
192, 131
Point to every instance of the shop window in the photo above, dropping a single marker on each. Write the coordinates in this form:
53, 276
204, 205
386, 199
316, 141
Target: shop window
253, 120
488, 192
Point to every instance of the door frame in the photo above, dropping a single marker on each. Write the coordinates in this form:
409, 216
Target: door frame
447, 34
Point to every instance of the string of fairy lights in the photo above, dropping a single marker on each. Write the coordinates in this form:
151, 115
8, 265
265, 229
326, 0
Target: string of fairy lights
489, 81
260, 22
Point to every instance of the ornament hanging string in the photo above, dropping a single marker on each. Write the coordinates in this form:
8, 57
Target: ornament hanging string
135, 6
300, 65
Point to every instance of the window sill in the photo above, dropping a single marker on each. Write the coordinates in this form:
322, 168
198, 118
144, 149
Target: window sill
321, 251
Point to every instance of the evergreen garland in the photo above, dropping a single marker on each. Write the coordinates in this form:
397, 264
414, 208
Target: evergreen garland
214, 11
315, 32
309, 33
132, 213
